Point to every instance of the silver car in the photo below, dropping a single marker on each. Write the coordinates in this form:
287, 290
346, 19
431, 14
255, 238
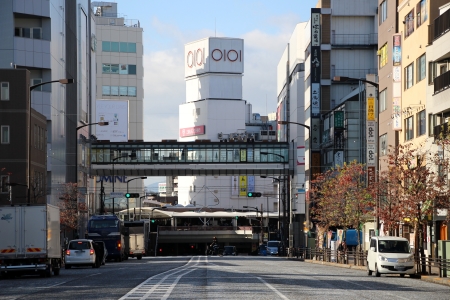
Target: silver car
80, 253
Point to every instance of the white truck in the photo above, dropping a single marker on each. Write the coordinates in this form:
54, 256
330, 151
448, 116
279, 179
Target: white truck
30, 240
136, 238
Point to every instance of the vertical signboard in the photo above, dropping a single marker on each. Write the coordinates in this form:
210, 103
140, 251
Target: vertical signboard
370, 109
243, 186
315, 62
300, 155
234, 185
339, 119
370, 176
251, 184
397, 82
115, 112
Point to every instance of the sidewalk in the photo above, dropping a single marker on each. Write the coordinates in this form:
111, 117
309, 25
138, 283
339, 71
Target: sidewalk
433, 277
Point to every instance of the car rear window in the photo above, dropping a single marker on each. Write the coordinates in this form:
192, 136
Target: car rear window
79, 245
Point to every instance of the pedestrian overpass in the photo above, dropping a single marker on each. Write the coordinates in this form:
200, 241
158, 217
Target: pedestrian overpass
199, 158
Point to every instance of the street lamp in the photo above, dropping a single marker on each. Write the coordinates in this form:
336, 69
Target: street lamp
284, 199
260, 223
310, 172
156, 241
128, 200
377, 170
11, 184
132, 156
32, 87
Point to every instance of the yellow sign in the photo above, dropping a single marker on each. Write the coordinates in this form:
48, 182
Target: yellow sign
243, 186
370, 109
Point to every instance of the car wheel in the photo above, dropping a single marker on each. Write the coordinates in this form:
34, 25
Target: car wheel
56, 271
49, 271
402, 275
139, 257
67, 266
377, 274
94, 265
369, 272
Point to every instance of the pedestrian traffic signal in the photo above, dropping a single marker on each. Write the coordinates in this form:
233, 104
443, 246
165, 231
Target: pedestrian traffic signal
253, 194
132, 195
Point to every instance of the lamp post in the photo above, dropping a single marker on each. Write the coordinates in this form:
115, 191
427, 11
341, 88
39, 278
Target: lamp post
260, 223
11, 184
128, 200
284, 203
377, 109
310, 169
140, 206
32, 87
279, 197
113, 174
156, 241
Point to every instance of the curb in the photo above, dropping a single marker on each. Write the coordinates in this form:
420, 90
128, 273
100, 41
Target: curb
432, 279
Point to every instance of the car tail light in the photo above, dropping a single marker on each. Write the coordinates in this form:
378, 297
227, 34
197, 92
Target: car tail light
91, 252
119, 245
68, 252
131, 252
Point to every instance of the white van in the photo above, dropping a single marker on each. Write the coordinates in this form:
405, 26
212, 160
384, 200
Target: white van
390, 255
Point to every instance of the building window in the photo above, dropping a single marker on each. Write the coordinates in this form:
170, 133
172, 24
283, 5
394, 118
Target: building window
409, 128
4, 91
31, 33
383, 11
114, 91
382, 100
421, 123
4, 188
383, 144
421, 68
5, 134
383, 56
119, 69
409, 76
118, 47
422, 14
409, 23
432, 70
35, 81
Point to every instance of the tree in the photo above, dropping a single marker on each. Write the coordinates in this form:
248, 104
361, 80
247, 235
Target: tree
68, 205
341, 198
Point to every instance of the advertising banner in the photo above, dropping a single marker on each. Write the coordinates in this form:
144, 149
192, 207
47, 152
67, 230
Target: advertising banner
243, 186
115, 112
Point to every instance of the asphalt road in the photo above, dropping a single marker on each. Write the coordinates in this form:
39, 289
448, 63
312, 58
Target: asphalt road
200, 277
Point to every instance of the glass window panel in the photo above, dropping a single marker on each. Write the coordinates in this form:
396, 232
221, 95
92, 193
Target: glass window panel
123, 69
123, 90
5, 134
18, 31
106, 90
421, 119
106, 68
132, 47
37, 33
4, 91
106, 46
115, 69
114, 46
114, 91
26, 32
132, 91
123, 47
132, 69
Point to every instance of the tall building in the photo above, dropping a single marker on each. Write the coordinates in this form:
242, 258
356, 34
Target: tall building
216, 111
119, 93
51, 39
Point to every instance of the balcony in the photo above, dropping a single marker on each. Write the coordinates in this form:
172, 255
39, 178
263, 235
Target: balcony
440, 131
442, 82
441, 25
354, 40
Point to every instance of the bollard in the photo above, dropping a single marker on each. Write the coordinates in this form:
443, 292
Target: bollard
440, 266
429, 264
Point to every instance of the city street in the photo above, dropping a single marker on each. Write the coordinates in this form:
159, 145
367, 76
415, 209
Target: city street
200, 277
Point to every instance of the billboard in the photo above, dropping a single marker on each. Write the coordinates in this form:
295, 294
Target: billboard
115, 112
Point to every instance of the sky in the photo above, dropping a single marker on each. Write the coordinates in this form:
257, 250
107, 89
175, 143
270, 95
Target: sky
265, 25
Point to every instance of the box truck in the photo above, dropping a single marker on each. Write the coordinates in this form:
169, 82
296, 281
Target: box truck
30, 240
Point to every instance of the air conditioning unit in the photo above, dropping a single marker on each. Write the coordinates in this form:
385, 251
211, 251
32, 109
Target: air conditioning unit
272, 135
264, 135
220, 136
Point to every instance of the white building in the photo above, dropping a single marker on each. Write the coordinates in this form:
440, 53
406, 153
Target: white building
215, 111
120, 72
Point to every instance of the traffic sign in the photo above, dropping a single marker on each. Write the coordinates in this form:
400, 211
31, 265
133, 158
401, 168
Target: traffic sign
116, 194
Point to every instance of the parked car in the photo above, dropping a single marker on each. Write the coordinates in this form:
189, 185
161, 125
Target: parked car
101, 251
272, 247
80, 252
390, 255
229, 250
262, 250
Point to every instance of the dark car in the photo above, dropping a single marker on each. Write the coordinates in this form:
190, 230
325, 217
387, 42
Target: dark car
262, 250
229, 250
101, 250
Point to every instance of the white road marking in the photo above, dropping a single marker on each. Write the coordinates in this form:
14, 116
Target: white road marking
272, 288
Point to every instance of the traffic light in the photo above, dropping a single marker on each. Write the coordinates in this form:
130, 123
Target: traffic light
153, 220
132, 195
253, 194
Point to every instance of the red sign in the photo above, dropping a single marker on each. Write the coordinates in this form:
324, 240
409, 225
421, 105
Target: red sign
370, 176
190, 131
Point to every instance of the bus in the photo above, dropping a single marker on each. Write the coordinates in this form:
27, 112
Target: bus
108, 228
